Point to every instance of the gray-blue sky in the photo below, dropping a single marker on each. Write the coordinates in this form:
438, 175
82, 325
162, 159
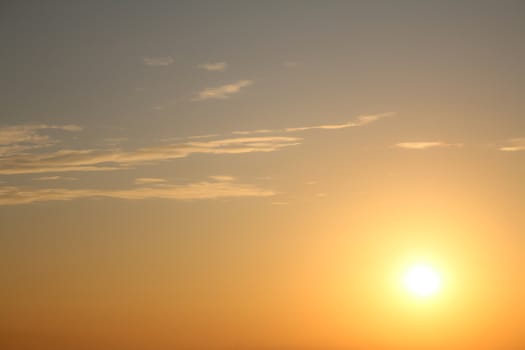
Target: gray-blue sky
66, 60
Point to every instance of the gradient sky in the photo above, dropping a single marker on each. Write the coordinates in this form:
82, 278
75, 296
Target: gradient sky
255, 175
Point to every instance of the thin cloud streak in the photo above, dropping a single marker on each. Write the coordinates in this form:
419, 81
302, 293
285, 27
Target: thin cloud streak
149, 180
514, 145
114, 159
11, 195
54, 178
423, 145
359, 121
214, 67
222, 178
257, 131
206, 136
158, 61
222, 92
108, 159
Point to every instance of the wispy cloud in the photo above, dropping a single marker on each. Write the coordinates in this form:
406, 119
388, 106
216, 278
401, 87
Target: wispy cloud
514, 145
115, 141
11, 195
257, 131
20, 138
222, 178
214, 67
54, 178
158, 61
206, 136
222, 92
148, 180
113, 159
359, 121
422, 145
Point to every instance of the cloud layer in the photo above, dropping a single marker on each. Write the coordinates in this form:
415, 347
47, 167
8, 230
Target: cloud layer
15, 141
24, 152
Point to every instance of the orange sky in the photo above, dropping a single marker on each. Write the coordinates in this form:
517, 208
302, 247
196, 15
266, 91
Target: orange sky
243, 175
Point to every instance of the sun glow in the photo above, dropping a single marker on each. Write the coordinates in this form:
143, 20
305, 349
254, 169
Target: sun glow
422, 280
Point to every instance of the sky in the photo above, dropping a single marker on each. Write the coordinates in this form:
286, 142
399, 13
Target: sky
259, 174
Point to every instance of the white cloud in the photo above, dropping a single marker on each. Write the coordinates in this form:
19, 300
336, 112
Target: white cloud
422, 145
11, 195
214, 67
158, 61
222, 92
514, 145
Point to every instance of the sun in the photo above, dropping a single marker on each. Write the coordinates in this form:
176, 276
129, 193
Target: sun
422, 280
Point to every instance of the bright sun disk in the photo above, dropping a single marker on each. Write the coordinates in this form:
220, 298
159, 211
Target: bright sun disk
422, 280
